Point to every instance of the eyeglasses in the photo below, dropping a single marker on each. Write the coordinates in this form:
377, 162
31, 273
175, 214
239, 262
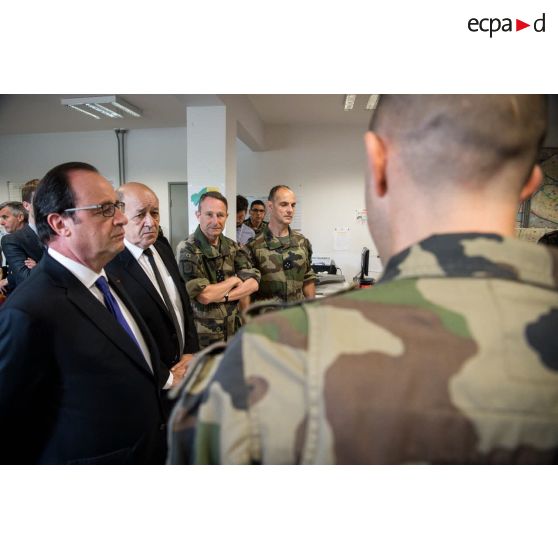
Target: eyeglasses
107, 209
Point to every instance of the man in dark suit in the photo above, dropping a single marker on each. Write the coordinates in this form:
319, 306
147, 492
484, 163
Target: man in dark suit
13, 217
149, 273
79, 370
22, 248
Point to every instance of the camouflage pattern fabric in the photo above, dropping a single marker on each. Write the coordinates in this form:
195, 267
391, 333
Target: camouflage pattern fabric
451, 358
285, 265
257, 230
202, 264
190, 392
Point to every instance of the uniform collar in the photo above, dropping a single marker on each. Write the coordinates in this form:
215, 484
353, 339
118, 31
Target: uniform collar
272, 241
475, 255
208, 250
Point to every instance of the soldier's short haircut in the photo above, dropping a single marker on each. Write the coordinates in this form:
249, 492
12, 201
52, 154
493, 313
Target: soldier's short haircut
241, 203
273, 191
29, 188
446, 139
257, 202
16, 208
54, 195
214, 195
550, 239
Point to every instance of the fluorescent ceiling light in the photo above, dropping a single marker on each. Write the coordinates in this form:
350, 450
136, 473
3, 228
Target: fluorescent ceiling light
126, 107
349, 102
117, 107
103, 110
372, 102
84, 111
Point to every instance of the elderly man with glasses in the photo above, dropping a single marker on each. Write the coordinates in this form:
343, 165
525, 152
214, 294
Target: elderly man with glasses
79, 371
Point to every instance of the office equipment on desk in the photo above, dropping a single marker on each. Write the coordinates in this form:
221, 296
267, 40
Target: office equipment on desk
329, 287
325, 278
328, 281
323, 264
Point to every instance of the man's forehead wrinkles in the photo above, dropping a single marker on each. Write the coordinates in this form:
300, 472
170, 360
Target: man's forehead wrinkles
94, 194
103, 201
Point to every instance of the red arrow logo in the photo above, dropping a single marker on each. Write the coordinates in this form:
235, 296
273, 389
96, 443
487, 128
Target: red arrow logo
519, 25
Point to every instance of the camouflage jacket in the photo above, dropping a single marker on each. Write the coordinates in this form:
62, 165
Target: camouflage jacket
202, 264
451, 358
285, 265
257, 230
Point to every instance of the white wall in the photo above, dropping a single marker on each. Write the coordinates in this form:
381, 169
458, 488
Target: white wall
153, 156
327, 162
23, 157
157, 157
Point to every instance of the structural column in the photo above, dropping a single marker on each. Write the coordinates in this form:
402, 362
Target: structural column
211, 155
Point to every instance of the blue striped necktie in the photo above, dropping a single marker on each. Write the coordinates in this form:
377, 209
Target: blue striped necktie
113, 308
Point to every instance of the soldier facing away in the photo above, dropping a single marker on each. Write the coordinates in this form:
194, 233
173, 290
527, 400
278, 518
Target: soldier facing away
217, 273
452, 357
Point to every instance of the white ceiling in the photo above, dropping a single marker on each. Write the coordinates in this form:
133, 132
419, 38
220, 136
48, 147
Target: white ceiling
27, 114
310, 109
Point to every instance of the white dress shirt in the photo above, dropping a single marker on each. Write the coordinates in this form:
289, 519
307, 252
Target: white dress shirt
172, 291
88, 277
244, 233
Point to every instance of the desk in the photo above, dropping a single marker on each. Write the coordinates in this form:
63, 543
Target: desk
327, 285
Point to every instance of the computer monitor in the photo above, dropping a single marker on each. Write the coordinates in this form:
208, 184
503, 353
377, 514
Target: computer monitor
364, 261
364, 280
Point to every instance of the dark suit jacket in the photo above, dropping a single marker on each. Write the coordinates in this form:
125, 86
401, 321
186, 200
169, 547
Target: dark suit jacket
17, 247
74, 388
150, 305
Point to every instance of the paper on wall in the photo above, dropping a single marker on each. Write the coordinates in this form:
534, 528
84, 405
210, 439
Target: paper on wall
341, 238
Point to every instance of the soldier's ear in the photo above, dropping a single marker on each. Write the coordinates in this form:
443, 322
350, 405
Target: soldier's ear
376, 163
533, 183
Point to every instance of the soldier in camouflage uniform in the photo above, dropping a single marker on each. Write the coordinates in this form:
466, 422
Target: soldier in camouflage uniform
217, 273
257, 214
283, 256
452, 357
